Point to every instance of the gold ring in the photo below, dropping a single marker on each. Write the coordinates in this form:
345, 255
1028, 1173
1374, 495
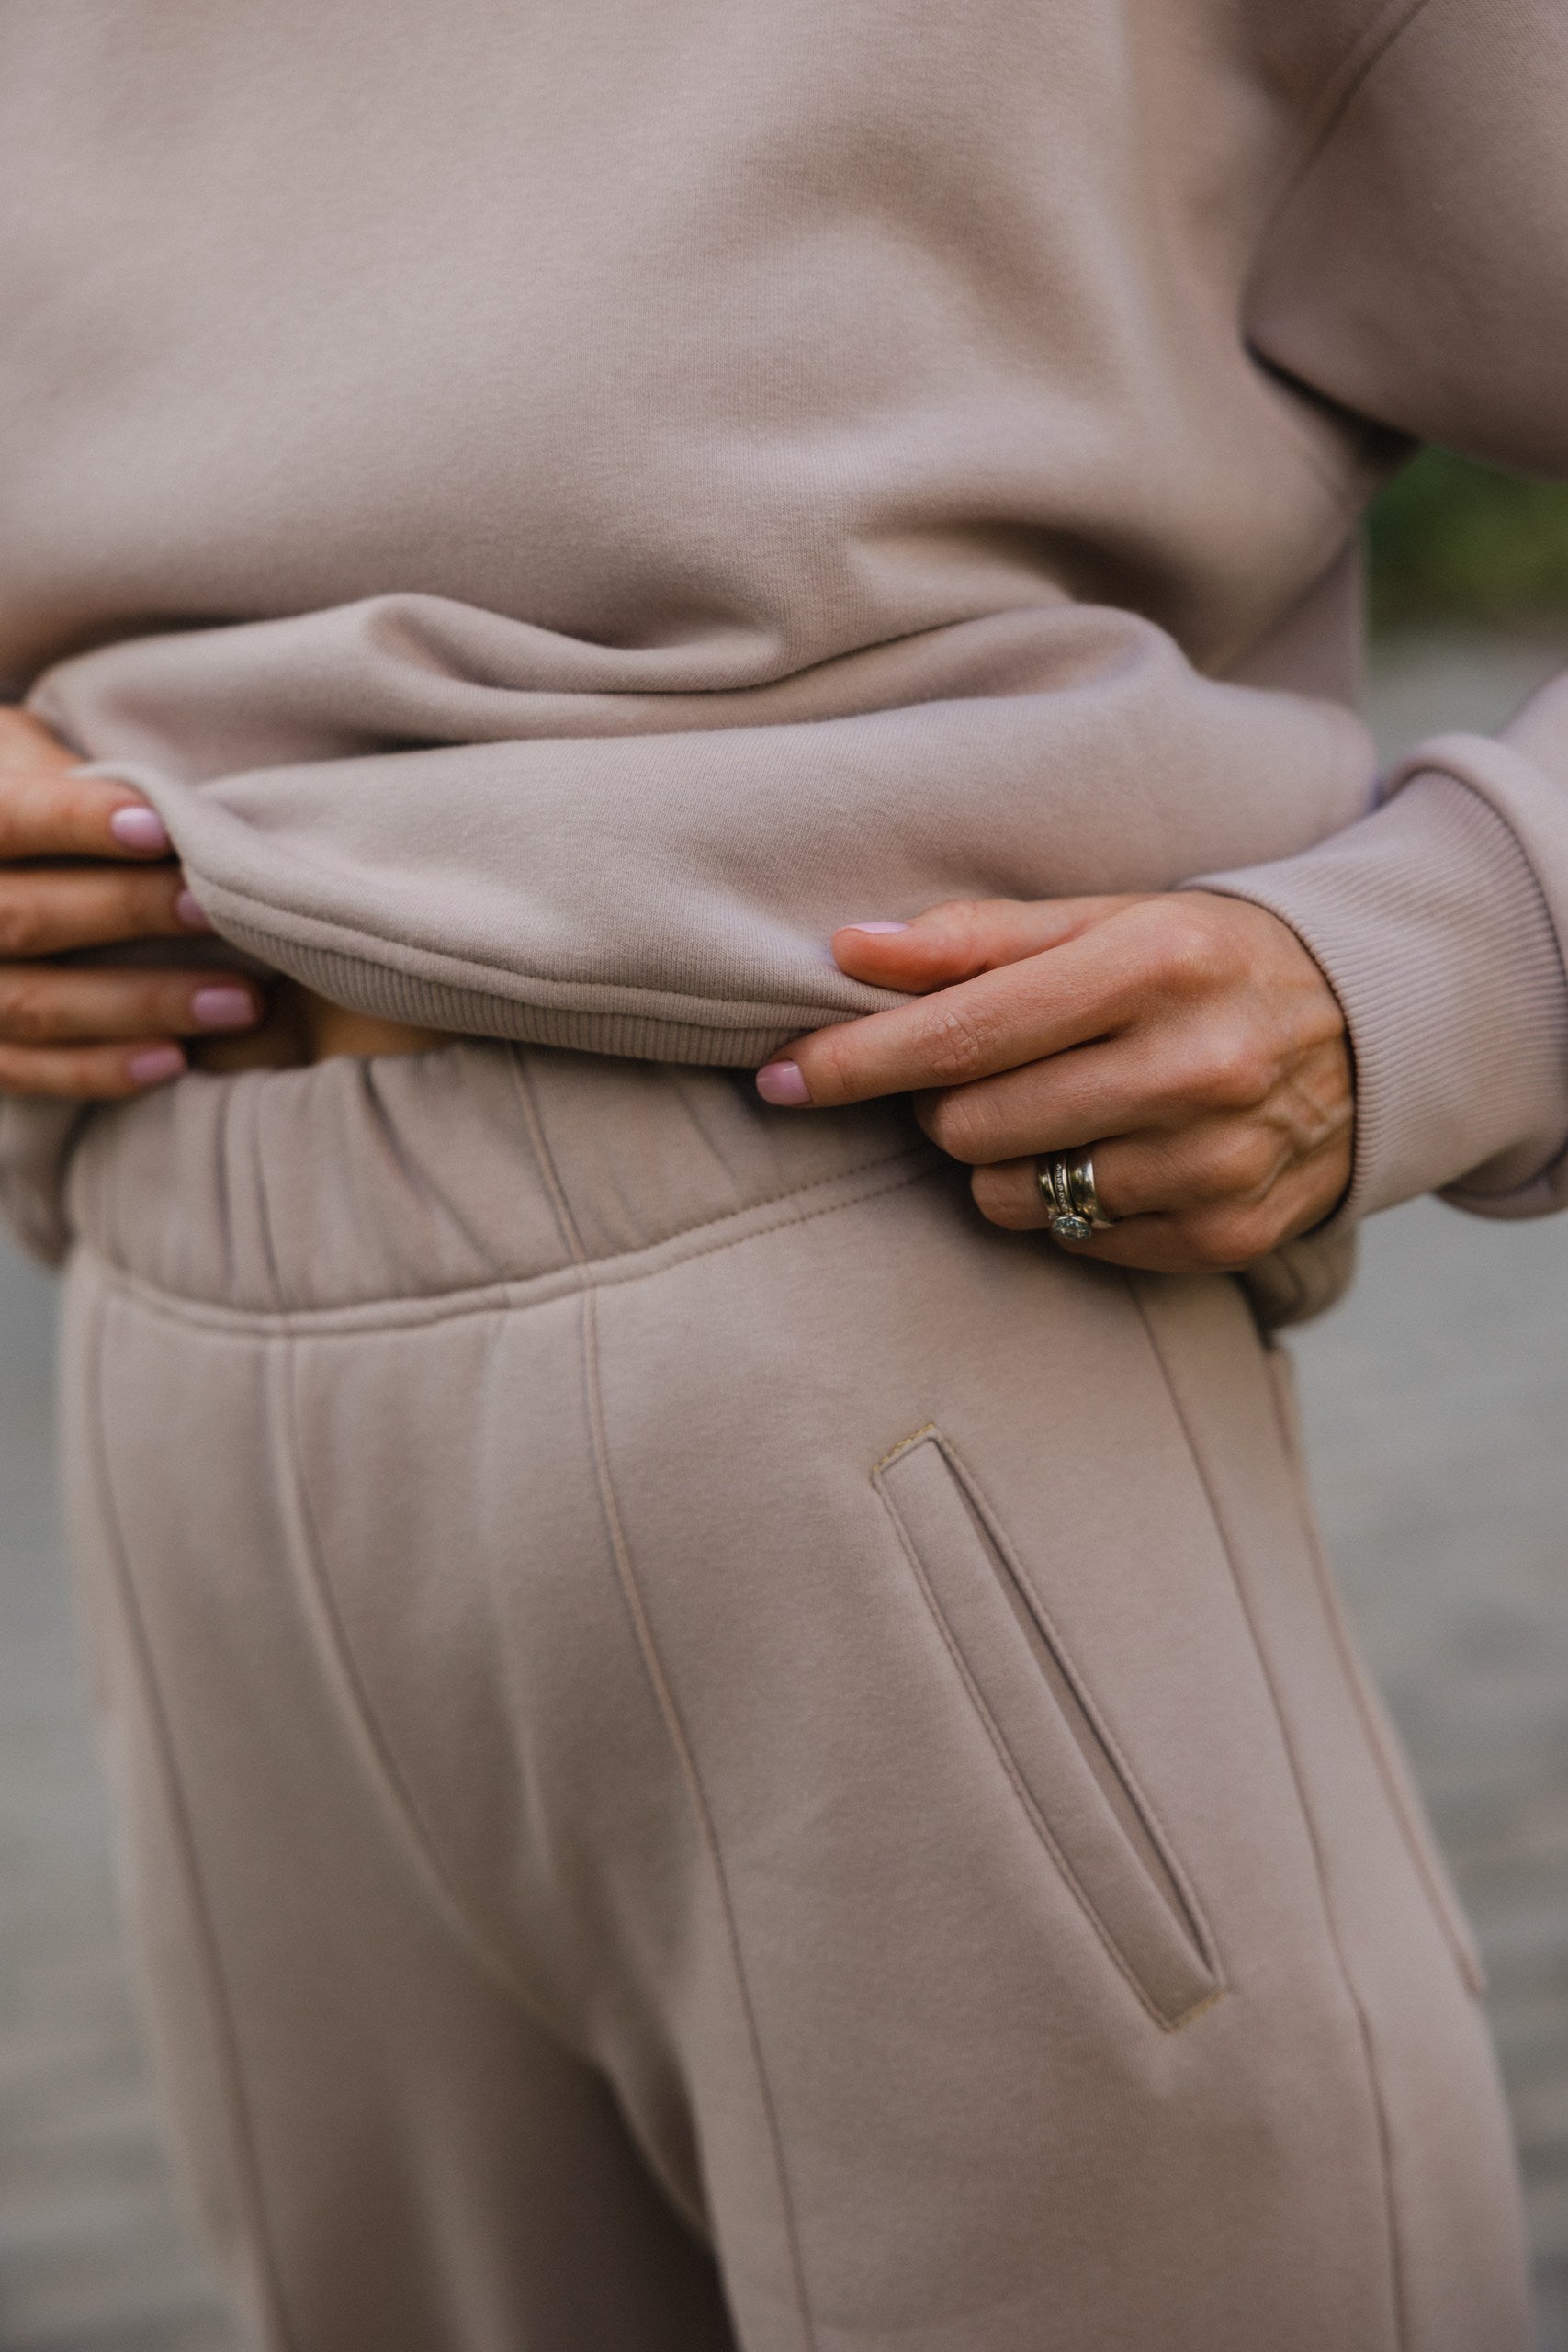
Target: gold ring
1073, 1211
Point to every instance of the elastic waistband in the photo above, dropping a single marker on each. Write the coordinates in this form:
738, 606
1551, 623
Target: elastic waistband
357, 1181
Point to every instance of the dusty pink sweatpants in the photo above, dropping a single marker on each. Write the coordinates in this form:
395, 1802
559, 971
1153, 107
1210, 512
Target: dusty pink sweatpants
716, 1753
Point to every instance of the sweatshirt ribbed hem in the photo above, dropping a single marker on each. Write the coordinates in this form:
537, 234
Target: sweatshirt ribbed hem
711, 1034
1433, 933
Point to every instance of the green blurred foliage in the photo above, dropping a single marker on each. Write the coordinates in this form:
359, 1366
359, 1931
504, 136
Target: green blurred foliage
1453, 542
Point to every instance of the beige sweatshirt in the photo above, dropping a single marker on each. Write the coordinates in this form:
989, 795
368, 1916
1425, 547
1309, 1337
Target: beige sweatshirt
562, 504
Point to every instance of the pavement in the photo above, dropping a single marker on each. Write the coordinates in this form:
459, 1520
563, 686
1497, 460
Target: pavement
1436, 1405
96, 2255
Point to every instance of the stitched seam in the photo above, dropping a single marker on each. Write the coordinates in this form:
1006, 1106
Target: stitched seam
1339, 93
1004, 1754
1371, 1730
420, 1179
560, 1207
1413, 1845
652, 1665
1141, 1800
905, 1445
918, 1153
224, 1206
483, 1298
257, 1160
1397, 2289
664, 1696
1202, 1934
386, 1770
247, 2162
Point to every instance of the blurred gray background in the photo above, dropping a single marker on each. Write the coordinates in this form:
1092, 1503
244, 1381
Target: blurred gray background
1437, 1411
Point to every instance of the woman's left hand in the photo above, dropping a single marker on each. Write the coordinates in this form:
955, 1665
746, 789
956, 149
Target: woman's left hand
1190, 1039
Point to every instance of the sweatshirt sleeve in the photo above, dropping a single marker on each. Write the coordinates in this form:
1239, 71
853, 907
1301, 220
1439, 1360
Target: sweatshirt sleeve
1414, 275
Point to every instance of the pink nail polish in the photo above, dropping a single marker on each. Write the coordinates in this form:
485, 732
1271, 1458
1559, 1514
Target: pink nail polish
154, 1063
191, 912
875, 926
783, 1083
221, 1008
139, 827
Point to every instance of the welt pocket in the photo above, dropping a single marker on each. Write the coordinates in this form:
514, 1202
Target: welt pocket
1065, 1767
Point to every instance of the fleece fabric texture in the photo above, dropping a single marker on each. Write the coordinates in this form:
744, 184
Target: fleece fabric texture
723, 1758
560, 507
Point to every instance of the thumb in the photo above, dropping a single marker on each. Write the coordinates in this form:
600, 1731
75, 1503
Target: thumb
27, 746
962, 938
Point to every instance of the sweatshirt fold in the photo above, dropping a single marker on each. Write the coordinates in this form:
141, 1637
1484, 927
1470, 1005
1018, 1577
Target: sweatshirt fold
582, 880
560, 508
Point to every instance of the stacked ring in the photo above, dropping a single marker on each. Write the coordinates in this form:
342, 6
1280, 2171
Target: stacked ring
1072, 1205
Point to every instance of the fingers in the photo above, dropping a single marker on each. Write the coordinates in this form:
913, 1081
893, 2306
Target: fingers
92, 1033
1218, 1231
49, 809
1058, 1105
51, 1004
961, 938
100, 1035
1149, 1173
89, 1073
1128, 958
1015, 1014
67, 815
26, 743
1191, 1038
1179, 1086
50, 911
1157, 1076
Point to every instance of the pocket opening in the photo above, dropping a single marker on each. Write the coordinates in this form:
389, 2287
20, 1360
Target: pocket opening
1061, 1758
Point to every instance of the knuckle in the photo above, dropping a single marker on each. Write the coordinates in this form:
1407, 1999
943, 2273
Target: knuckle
832, 1068
962, 925
957, 914
957, 1041
25, 1071
1243, 1163
1228, 1239
135, 898
952, 1123
1208, 1255
18, 924
1187, 957
1238, 1071
30, 1012
1001, 1202
35, 808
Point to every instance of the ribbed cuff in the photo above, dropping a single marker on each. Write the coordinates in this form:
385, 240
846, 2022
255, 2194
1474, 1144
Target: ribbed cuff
1431, 929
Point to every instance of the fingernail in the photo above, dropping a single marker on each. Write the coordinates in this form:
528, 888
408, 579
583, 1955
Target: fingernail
875, 926
220, 1008
783, 1083
139, 827
153, 1064
191, 912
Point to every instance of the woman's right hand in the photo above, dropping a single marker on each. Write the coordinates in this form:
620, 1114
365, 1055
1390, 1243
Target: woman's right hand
85, 863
